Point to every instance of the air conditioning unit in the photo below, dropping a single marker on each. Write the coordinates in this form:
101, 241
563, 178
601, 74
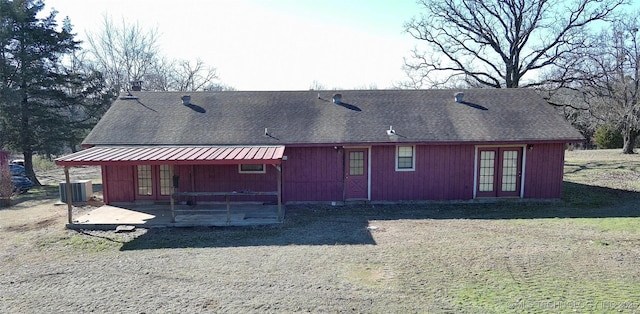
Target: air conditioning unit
81, 191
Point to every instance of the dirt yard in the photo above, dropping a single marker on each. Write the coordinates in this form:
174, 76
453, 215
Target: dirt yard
581, 254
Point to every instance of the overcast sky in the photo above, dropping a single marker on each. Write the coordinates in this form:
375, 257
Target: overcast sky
270, 44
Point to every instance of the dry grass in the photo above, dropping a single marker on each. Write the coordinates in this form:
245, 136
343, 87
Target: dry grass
605, 168
578, 255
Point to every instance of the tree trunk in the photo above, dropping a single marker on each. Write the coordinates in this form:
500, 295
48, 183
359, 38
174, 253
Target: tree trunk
28, 167
629, 136
6, 186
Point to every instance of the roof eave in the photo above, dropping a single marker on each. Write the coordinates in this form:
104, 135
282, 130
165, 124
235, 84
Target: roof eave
174, 155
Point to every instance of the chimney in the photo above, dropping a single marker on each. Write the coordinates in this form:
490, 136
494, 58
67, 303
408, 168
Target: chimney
459, 96
337, 98
186, 100
136, 86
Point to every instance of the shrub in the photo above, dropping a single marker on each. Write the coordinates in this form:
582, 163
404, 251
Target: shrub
608, 137
41, 163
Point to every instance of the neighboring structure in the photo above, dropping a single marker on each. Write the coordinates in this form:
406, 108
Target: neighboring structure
6, 184
4, 159
310, 146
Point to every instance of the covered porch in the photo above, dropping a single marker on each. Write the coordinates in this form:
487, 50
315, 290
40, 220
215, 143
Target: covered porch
109, 217
179, 205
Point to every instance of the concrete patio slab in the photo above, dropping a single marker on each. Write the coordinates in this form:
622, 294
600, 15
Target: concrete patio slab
109, 217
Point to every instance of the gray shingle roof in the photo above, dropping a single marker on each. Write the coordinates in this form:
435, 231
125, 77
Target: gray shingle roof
300, 117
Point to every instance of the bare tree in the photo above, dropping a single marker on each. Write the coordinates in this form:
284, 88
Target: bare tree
128, 53
219, 87
614, 97
183, 75
193, 77
160, 76
124, 53
574, 104
370, 86
315, 85
92, 99
501, 43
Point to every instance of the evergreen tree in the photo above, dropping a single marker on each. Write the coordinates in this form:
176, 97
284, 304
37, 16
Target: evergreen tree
42, 103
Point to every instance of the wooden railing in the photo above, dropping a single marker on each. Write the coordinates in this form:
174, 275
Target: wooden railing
227, 196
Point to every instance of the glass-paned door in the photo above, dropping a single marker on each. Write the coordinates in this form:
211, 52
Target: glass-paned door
153, 182
356, 174
499, 171
166, 179
145, 180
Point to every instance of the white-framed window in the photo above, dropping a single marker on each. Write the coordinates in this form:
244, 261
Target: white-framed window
252, 168
405, 158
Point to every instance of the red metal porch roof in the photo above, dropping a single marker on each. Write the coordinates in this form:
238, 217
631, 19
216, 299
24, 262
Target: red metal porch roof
175, 155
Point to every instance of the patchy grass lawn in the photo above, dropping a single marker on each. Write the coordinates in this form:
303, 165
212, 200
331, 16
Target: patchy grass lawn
603, 168
577, 255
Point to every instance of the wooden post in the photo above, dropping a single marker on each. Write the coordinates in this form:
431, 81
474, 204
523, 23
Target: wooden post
172, 191
173, 211
68, 193
228, 197
279, 183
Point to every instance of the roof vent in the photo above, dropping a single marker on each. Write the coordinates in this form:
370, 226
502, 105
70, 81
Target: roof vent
391, 131
337, 98
186, 100
459, 96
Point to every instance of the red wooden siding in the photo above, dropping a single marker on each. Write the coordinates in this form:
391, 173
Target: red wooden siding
186, 181
443, 172
228, 179
316, 174
312, 174
544, 171
118, 183
4, 159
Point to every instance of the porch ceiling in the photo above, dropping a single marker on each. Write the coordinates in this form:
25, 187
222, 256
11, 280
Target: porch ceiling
175, 155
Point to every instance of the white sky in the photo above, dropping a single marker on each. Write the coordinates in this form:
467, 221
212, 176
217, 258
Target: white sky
269, 45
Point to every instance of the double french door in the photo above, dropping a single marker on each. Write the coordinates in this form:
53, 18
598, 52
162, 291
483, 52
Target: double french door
499, 172
153, 182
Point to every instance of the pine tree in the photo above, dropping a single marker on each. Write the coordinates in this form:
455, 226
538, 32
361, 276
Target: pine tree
39, 97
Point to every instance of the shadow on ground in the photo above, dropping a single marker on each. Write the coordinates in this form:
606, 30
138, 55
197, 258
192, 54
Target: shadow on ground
319, 225
44, 192
348, 225
38, 193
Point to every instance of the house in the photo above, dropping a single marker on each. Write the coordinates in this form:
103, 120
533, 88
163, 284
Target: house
328, 146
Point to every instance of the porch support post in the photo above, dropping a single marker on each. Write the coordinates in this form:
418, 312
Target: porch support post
68, 194
279, 183
172, 191
173, 211
228, 200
